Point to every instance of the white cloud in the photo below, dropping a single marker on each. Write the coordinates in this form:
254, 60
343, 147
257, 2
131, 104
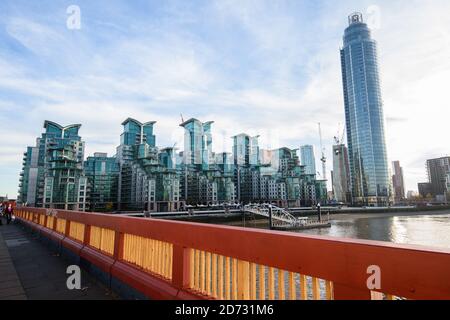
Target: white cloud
33, 35
262, 67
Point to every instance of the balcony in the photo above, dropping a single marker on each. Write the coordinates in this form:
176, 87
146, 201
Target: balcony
180, 260
63, 165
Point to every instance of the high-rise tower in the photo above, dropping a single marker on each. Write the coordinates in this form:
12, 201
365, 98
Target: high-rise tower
197, 143
341, 174
52, 175
307, 159
398, 182
364, 115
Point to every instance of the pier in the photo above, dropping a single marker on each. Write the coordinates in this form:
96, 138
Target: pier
281, 219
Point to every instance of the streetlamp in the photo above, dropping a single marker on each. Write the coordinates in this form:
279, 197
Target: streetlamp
270, 217
319, 212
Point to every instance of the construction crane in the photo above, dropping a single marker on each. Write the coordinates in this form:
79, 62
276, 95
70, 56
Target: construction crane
340, 139
323, 158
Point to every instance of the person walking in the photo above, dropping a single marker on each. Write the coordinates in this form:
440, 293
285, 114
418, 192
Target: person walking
9, 211
1, 213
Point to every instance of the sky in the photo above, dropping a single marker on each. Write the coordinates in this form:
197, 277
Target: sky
262, 67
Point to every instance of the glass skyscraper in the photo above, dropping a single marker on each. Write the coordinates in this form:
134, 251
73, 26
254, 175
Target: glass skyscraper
307, 159
364, 115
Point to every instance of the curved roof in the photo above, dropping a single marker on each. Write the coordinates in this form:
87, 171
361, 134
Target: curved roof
47, 123
196, 120
245, 135
138, 122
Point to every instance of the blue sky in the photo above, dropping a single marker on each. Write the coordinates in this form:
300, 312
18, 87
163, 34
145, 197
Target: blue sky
262, 67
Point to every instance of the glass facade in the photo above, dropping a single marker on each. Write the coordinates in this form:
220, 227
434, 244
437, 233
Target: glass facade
137, 133
398, 182
245, 150
29, 177
364, 115
197, 143
341, 174
206, 177
102, 173
148, 178
142, 177
307, 159
64, 184
52, 174
437, 170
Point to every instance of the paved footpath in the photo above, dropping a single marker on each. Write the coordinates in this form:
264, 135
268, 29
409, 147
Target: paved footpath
29, 270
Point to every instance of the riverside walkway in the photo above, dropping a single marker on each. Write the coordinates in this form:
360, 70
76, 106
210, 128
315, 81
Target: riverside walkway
31, 271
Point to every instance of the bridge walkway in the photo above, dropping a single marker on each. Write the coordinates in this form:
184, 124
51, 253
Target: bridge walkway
30, 271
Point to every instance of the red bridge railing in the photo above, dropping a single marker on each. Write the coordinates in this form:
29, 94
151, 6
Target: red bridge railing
181, 260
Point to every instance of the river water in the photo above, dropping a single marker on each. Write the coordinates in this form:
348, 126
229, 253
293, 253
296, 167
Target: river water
418, 228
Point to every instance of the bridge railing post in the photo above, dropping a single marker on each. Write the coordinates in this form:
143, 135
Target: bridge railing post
87, 235
67, 230
118, 246
181, 267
